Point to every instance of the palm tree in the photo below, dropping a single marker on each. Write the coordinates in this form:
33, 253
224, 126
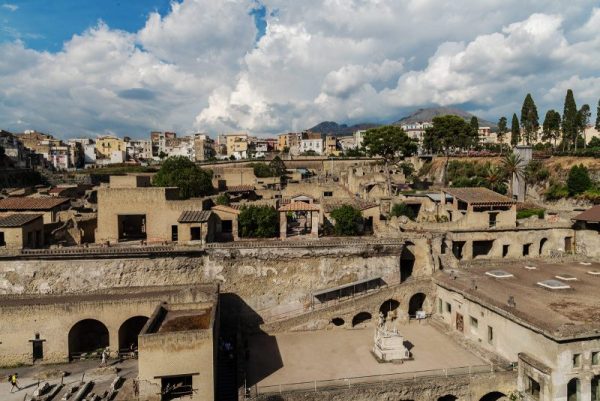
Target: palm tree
514, 167
493, 176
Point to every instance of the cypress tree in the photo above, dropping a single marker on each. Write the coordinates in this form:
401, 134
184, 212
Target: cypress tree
569, 120
515, 131
597, 126
529, 119
502, 130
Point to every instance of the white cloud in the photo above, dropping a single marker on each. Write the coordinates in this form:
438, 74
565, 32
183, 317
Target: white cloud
198, 67
10, 7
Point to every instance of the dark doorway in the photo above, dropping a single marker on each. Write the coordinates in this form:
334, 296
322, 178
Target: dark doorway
389, 306
568, 244
505, 250
87, 336
526, 249
337, 321
416, 303
195, 234
129, 331
174, 233
407, 263
37, 348
460, 323
176, 387
542, 243
361, 317
448, 397
493, 396
226, 226
492, 219
132, 227
368, 225
457, 249
482, 248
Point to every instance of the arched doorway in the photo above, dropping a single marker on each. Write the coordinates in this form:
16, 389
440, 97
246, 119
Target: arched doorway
87, 336
361, 317
542, 243
448, 397
574, 390
416, 303
128, 332
389, 306
493, 396
338, 321
407, 262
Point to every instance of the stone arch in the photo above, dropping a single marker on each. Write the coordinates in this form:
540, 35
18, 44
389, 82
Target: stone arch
416, 303
87, 335
407, 262
361, 317
574, 390
389, 306
542, 243
493, 396
448, 397
129, 331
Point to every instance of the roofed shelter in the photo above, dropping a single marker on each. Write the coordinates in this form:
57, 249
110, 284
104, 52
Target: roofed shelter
479, 208
299, 218
47, 206
21, 230
590, 219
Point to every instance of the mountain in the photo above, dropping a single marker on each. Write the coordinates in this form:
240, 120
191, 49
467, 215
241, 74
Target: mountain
428, 114
330, 127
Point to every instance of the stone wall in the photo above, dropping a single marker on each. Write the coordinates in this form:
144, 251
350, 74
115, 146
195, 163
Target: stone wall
464, 388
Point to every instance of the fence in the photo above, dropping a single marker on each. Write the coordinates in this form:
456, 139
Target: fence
329, 242
361, 381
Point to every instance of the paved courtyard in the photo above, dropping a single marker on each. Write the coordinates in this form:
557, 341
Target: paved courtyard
340, 353
88, 370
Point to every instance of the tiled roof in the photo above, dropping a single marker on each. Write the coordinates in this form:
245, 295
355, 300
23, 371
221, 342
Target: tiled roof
226, 208
194, 216
591, 215
360, 204
479, 196
18, 219
240, 188
15, 203
299, 207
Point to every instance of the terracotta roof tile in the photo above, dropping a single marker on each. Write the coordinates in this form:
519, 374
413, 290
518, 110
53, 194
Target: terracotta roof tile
194, 216
299, 207
591, 215
16, 203
479, 195
360, 204
18, 219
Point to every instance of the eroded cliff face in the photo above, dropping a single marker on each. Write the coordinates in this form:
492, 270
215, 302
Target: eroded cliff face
272, 280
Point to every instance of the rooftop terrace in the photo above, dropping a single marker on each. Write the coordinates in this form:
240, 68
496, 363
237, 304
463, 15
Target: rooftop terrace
561, 312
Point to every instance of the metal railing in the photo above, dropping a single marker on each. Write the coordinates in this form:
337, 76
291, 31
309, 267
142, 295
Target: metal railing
361, 381
321, 242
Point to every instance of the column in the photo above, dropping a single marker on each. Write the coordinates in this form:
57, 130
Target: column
282, 225
314, 228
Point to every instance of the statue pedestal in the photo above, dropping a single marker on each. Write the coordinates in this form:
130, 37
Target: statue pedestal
389, 345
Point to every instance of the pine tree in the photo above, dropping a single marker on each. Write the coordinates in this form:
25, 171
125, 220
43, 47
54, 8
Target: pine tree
569, 121
515, 131
529, 119
583, 119
551, 126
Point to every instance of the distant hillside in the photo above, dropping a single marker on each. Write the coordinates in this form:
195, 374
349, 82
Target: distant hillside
429, 113
330, 127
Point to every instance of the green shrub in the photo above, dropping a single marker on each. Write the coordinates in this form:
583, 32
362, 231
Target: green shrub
592, 195
579, 180
557, 191
347, 220
536, 172
526, 213
258, 222
401, 209
223, 199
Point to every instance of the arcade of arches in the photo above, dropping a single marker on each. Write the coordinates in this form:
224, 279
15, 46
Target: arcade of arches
91, 335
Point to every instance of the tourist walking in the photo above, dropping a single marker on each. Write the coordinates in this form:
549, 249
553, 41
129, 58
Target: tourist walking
13, 381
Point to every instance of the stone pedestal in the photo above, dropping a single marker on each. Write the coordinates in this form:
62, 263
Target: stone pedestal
389, 345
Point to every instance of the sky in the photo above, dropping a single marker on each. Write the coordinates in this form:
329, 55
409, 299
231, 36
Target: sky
81, 68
